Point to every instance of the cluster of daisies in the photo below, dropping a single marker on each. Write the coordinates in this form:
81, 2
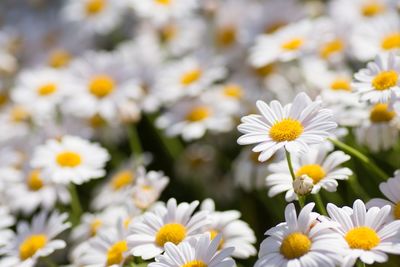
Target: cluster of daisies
102, 101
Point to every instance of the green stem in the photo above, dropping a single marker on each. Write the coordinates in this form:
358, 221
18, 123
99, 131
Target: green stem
76, 209
360, 156
48, 262
302, 199
359, 263
320, 204
134, 140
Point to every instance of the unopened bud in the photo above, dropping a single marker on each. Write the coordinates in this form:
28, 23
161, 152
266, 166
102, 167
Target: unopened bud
303, 185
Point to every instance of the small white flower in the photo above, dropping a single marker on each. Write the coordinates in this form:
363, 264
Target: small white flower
293, 127
367, 233
70, 159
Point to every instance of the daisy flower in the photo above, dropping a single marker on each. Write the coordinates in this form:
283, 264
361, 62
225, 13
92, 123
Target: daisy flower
293, 127
36, 240
368, 235
390, 190
94, 16
234, 232
14, 121
70, 159
380, 80
7, 221
302, 241
286, 44
318, 163
173, 223
196, 252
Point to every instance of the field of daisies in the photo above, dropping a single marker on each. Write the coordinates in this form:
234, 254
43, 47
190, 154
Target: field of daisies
199, 133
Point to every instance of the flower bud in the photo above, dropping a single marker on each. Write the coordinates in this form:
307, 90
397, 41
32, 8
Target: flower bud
303, 185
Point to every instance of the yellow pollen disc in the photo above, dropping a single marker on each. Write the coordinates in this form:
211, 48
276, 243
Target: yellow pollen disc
171, 232
226, 36
233, 91
381, 113
68, 159
341, 84
168, 32
397, 211
265, 70
293, 44
295, 245
59, 58
213, 234
314, 171
191, 76
384, 80
3, 99
31, 245
95, 226
198, 114
34, 180
19, 114
331, 48
271, 28
362, 237
47, 89
195, 263
286, 130
372, 8
94, 7
101, 86
115, 254
97, 121
163, 2
391, 41
122, 179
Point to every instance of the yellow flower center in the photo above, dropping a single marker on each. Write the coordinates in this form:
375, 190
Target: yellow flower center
3, 99
47, 89
330, 48
168, 32
34, 180
198, 114
314, 171
163, 2
286, 130
233, 91
372, 8
59, 58
97, 121
68, 159
362, 237
293, 44
101, 86
191, 76
195, 263
115, 254
213, 234
171, 232
31, 245
392, 41
95, 226
397, 211
19, 114
265, 70
341, 84
271, 28
94, 7
122, 179
381, 113
226, 36
295, 245
384, 80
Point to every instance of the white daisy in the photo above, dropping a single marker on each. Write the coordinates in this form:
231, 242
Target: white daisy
390, 189
379, 80
367, 233
302, 241
36, 240
234, 232
7, 221
318, 163
173, 223
70, 159
196, 252
286, 44
15, 124
294, 126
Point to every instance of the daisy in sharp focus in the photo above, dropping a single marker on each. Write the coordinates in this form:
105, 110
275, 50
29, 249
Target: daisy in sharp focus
319, 163
302, 241
380, 80
70, 159
390, 189
234, 232
196, 252
294, 126
171, 223
36, 240
368, 234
